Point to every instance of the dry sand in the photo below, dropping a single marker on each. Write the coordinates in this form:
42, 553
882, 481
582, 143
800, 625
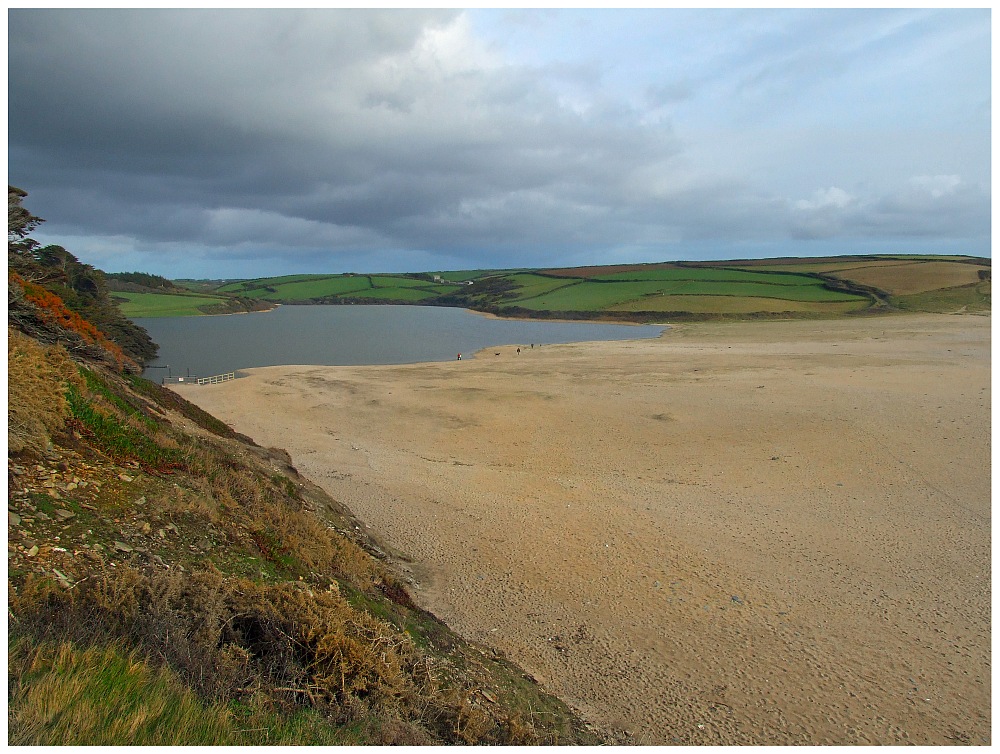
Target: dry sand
753, 533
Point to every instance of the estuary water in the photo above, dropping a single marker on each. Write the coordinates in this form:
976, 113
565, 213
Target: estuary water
351, 335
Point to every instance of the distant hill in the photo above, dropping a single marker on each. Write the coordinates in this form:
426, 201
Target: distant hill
736, 289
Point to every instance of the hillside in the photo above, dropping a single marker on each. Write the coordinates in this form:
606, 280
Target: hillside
140, 294
828, 287
172, 583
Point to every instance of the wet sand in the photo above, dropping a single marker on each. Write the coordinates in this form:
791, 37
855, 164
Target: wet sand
752, 533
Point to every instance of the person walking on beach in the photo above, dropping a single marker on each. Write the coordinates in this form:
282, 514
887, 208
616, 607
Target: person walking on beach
460, 357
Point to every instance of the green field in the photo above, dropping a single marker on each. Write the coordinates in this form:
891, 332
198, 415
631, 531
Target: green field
303, 290
459, 276
590, 295
529, 285
392, 282
402, 295
708, 305
709, 274
242, 285
966, 298
166, 304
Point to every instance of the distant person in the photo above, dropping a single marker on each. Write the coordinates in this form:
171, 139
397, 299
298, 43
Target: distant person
519, 350
460, 357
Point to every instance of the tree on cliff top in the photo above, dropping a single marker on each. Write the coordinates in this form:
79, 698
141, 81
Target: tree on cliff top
80, 287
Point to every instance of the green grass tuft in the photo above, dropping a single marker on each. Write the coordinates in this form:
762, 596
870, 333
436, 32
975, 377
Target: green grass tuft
114, 434
64, 695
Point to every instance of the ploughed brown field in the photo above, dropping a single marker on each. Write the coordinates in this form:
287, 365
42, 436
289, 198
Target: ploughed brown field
916, 277
750, 533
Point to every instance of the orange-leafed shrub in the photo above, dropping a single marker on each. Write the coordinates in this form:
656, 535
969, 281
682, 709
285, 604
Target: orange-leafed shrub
54, 310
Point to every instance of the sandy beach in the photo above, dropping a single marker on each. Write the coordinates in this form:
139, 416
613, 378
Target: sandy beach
741, 533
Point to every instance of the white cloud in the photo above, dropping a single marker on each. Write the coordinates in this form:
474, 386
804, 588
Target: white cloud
921, 206
936, 185
827, 198
453, 48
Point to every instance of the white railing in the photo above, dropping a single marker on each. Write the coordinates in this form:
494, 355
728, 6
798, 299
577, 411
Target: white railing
216, 378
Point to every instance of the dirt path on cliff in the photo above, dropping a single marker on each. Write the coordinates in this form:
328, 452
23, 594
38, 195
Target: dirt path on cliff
753, 533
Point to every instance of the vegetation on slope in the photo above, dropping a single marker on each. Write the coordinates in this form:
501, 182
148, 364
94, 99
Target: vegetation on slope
172, 583
140, 281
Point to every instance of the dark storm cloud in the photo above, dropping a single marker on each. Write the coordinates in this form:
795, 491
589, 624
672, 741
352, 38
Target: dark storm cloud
197, 126
245, 103
162, 117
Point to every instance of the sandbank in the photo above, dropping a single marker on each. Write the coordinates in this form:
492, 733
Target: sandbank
739, 533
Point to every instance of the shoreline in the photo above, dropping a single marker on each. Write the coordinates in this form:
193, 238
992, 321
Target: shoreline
597, 321
729, 536
220, 314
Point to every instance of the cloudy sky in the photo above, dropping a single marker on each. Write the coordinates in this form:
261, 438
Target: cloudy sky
242, 143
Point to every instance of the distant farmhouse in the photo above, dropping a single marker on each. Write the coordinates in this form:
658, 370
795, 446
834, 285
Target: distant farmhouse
439, 279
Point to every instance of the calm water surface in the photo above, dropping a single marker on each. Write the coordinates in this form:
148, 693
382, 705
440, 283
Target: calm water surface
351, 335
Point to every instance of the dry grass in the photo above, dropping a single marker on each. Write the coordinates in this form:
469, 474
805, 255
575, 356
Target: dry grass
219, 633
180, 501
256, 505
36, 392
